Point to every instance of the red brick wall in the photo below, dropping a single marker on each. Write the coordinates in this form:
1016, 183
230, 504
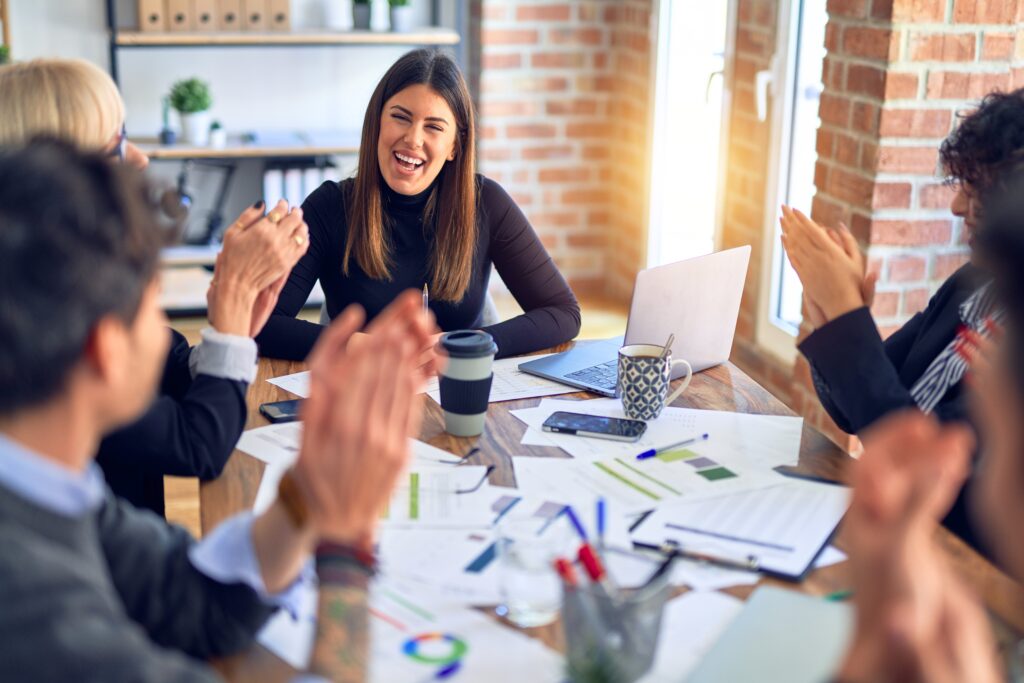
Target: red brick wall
562, 92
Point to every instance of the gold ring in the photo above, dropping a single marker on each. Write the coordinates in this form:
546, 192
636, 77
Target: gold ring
273, 217
300, 240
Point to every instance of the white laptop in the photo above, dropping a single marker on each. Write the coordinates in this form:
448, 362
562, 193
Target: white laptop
698, 300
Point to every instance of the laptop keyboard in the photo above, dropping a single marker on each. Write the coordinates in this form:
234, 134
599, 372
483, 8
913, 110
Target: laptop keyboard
602, 376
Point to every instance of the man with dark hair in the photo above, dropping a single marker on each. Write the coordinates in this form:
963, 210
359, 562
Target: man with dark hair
93, 589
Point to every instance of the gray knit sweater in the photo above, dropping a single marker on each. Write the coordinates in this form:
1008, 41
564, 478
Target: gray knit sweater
111, 596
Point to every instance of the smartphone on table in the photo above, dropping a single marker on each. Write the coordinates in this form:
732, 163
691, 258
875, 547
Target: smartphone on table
615, 428
281, 411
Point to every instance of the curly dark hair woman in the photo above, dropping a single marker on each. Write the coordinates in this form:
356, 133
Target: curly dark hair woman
985, 139
860, 377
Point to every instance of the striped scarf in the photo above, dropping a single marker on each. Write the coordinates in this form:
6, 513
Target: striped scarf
948, 368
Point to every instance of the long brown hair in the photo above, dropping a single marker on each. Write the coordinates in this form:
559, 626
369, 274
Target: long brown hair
451, 207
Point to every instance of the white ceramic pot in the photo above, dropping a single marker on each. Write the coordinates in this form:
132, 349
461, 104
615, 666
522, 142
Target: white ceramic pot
402, 19
195, 128
337, 14
361, 17
218, 138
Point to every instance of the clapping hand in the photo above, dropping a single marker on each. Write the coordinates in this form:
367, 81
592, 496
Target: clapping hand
830, 265
996, 406
258, 254
362, 408
915, 620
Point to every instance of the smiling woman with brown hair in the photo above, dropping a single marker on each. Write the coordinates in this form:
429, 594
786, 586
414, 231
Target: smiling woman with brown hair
416, 214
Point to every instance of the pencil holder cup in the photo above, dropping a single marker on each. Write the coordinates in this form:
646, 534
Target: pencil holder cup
609, 639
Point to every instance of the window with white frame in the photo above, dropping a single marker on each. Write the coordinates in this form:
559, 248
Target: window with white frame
794, 81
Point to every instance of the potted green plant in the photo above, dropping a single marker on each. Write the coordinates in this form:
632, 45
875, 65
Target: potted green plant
361, 11
218, 136
5, 54
192, 100
401, 15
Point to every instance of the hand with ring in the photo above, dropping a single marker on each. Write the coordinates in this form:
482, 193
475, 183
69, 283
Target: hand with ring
258, 254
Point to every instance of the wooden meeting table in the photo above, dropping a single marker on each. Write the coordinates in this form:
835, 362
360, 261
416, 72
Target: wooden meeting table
725, 387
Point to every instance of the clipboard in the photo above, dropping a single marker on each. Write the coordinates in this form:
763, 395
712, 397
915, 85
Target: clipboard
778, 530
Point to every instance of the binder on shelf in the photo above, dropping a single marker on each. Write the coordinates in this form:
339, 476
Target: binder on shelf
179, 15
293, 186
279, 15
273, 186
311, 179
152, 16
205, 13
254, 15
229, 15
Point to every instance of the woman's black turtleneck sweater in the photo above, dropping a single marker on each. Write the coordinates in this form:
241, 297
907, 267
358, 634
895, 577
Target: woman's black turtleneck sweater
504, 238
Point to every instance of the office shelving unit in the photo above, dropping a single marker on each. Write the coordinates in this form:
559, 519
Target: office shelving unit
121, 39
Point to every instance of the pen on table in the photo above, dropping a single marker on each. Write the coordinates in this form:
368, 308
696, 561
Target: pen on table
654, 451
600, 522
426, 298
571, 514
750, 563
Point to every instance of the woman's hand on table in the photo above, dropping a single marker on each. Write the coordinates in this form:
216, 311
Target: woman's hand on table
257, 255
830, 266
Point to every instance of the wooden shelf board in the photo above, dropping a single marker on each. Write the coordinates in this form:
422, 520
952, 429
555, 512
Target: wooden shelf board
424, 36
237, 149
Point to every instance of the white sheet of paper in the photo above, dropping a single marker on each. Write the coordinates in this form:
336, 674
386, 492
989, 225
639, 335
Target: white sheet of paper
829, 556
763, 441
639, 485
402, 612
690, 625
297, 384
426, 495
279, 444
276, 444
493, 653
510, 384
784, 526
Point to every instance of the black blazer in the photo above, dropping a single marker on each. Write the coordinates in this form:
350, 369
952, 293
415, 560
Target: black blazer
860, 378
189, 431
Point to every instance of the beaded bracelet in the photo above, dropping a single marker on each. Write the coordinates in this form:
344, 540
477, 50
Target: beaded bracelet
333, 559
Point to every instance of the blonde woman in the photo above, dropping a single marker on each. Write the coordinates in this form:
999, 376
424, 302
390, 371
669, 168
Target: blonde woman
192, 427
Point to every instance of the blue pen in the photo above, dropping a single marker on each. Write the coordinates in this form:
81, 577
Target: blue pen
600, 521
654, 451
575, 522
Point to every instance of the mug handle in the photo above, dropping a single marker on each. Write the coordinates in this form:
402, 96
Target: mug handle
686, 382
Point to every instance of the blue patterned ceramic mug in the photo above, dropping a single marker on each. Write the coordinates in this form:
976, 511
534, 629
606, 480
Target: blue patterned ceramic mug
644, 378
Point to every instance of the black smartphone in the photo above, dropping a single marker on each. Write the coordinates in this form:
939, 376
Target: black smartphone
615, 428
281, 411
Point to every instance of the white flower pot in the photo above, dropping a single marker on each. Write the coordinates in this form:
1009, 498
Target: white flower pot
195, 128
402, 19
337, 14
361, 17
218, 138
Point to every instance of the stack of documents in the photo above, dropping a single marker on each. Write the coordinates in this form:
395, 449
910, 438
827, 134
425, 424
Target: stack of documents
406, 621
509, 383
